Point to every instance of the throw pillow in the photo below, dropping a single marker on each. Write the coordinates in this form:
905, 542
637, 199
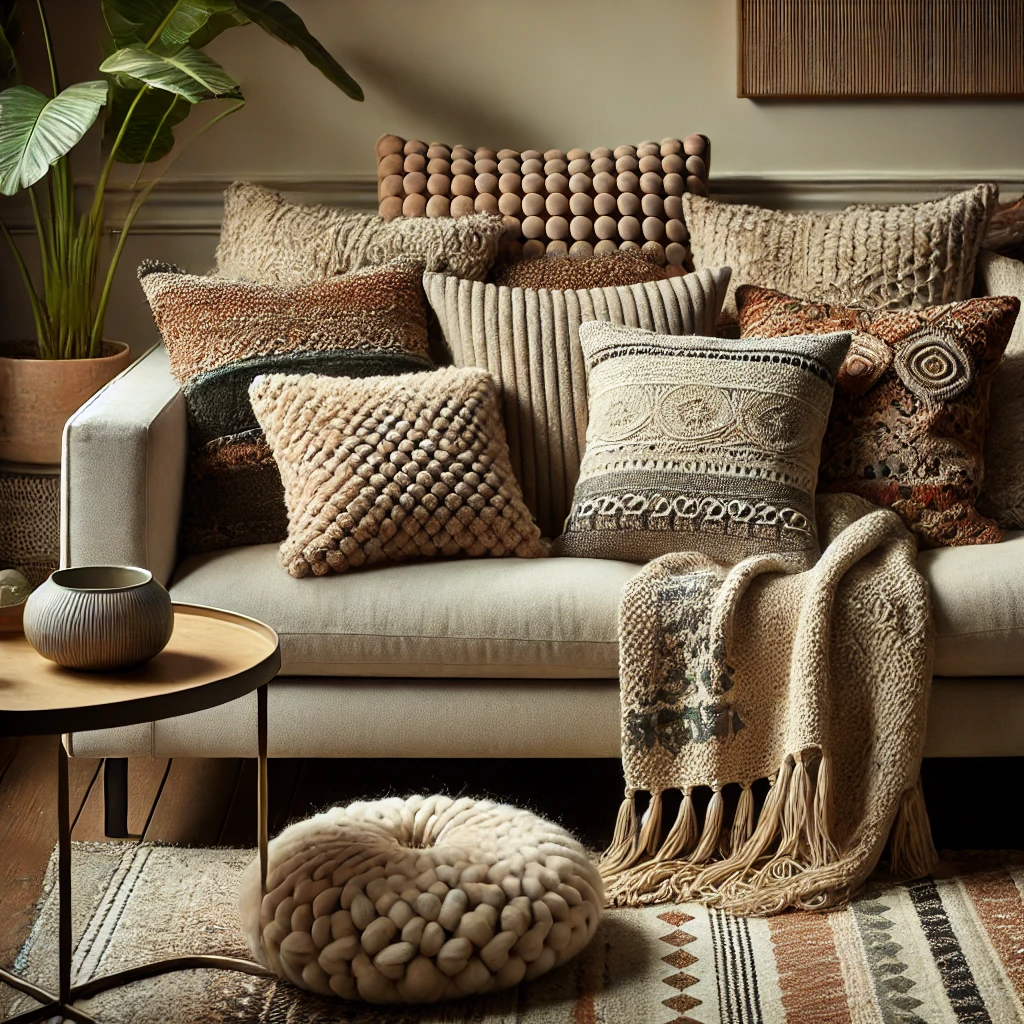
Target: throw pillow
1002, 491
578, 201
883, 257
581, 271
267, 239
701, 444
392, 468
908, 423
220, 334
528, 340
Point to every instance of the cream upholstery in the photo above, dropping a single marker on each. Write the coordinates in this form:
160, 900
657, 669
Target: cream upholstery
310, 717
506, 618
488, 657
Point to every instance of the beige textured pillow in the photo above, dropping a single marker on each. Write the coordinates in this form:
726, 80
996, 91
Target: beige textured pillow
528, 340
265, 238
387, 469
879, 257
1002, 493
701, 444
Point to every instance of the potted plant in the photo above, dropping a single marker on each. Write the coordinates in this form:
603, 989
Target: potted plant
156, 73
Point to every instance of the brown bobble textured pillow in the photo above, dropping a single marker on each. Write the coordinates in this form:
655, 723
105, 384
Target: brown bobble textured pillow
908, 423
387, 469
267, 239
562, 273
879, 257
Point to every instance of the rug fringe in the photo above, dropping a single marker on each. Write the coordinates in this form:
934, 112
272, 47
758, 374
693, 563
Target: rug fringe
682, 837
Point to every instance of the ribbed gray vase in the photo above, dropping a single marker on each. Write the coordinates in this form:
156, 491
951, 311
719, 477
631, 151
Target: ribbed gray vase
99, 617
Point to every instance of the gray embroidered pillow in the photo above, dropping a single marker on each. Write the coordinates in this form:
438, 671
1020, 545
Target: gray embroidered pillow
701, 444
880, 257
265, 238
528, 339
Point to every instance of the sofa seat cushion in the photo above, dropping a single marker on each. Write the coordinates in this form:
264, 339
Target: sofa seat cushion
503, 618
978, 599
547, 618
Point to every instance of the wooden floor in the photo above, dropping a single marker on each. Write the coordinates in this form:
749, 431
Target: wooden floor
211, 802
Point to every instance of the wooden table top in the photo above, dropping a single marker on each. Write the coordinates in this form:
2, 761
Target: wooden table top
212, 657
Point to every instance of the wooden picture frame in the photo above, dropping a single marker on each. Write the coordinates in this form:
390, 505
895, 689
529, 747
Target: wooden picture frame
880, 49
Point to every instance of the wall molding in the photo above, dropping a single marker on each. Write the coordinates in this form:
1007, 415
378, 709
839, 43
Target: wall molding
194, 206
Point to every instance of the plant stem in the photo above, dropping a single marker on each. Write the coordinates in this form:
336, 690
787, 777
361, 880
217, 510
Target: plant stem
49, 47
38, 314
101, 310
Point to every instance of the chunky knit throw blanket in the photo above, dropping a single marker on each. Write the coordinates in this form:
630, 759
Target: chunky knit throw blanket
815, 681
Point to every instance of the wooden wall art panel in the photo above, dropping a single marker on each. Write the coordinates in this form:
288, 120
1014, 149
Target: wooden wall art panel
857, 49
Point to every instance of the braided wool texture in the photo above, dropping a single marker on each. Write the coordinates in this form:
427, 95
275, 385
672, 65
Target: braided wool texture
1002, 492
700, 443
878, 257
420, 899
392, 468
267, 239
817, 681
909, 420
528, 339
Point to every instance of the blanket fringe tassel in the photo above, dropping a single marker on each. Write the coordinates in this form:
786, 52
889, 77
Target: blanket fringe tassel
786, 856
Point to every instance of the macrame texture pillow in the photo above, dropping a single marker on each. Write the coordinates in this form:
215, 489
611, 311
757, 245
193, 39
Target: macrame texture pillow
220, 334
265, 238
701, 444
561, 273
528, 339
1002, 491
416, 900
578, 201
884, 257
908, 424
392, 468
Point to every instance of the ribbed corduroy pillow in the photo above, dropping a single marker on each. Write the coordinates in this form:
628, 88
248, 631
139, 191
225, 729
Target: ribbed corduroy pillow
879, 257
528, 339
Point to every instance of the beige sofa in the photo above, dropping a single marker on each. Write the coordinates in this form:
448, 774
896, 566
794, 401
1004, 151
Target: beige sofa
472, 658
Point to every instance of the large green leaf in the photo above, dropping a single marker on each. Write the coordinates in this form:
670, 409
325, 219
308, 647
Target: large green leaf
186, 72
36, 131
150, 133
283, 23
162, 24
216, 24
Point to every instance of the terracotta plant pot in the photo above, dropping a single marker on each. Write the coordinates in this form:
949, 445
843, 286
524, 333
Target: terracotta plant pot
37, 396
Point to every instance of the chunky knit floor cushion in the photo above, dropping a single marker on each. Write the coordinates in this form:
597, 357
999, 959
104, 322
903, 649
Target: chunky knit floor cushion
700, 444
908, 424
528, 340
1002, 492
392, 469
265, 238
885, 257
220, 334
556, 202
412, 901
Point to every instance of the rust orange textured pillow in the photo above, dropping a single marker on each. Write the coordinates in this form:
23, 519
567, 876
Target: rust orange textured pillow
908, 421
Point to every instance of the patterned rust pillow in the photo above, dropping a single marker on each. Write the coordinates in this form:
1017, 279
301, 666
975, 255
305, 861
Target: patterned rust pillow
220, 334
568, 272
908, 422
388, 469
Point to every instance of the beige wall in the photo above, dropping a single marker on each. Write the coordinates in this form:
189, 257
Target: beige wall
528, 73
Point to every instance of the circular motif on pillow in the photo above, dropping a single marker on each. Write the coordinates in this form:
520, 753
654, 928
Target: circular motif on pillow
420, 899
932, 364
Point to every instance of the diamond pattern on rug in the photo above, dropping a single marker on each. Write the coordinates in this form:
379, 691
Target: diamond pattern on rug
680, 959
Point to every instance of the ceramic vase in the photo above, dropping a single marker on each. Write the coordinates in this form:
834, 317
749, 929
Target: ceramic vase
99, 617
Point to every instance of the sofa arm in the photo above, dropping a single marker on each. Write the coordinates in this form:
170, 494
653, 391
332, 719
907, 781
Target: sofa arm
123, 470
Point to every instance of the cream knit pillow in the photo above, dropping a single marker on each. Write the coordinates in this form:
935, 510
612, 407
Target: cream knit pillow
265, 238
527, 338
881, 257
387, 469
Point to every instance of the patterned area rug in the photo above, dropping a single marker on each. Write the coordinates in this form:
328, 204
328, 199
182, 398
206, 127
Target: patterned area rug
949, 949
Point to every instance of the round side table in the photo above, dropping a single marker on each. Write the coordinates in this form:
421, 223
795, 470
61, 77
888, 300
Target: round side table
213, 657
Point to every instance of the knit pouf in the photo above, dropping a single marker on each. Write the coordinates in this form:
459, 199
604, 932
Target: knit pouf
421, 899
